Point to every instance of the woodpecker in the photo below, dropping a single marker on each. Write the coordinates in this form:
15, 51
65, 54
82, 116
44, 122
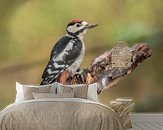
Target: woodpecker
67, 54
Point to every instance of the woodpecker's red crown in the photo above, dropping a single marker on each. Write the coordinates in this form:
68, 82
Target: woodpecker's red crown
76, 21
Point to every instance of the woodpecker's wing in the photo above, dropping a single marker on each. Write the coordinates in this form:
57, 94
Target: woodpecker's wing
64, 53
59, 46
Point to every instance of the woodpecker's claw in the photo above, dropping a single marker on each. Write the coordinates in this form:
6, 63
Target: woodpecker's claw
81, 74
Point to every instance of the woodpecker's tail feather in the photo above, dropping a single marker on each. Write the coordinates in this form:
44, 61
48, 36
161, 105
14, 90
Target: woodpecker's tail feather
48, 81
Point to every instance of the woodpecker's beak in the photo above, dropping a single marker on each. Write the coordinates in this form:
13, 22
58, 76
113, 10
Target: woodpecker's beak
89, 26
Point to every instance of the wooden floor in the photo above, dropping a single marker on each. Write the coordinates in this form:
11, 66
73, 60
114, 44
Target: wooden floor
147, 121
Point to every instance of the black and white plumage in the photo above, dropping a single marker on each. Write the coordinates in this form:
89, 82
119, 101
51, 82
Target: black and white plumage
68, 52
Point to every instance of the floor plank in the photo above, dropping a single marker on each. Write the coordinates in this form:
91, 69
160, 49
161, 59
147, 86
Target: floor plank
149, 121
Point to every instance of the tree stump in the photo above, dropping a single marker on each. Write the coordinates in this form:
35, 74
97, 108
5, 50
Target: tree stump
102, 72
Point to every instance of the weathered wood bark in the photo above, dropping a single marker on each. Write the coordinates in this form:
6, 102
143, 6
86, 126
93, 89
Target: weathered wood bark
102, 72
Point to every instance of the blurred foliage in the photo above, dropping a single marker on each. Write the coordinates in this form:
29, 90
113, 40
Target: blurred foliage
29, 29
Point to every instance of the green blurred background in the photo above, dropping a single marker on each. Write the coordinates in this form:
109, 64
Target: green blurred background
29, 29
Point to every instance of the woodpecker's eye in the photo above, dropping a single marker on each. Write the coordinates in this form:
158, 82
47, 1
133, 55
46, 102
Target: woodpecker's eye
78, 25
